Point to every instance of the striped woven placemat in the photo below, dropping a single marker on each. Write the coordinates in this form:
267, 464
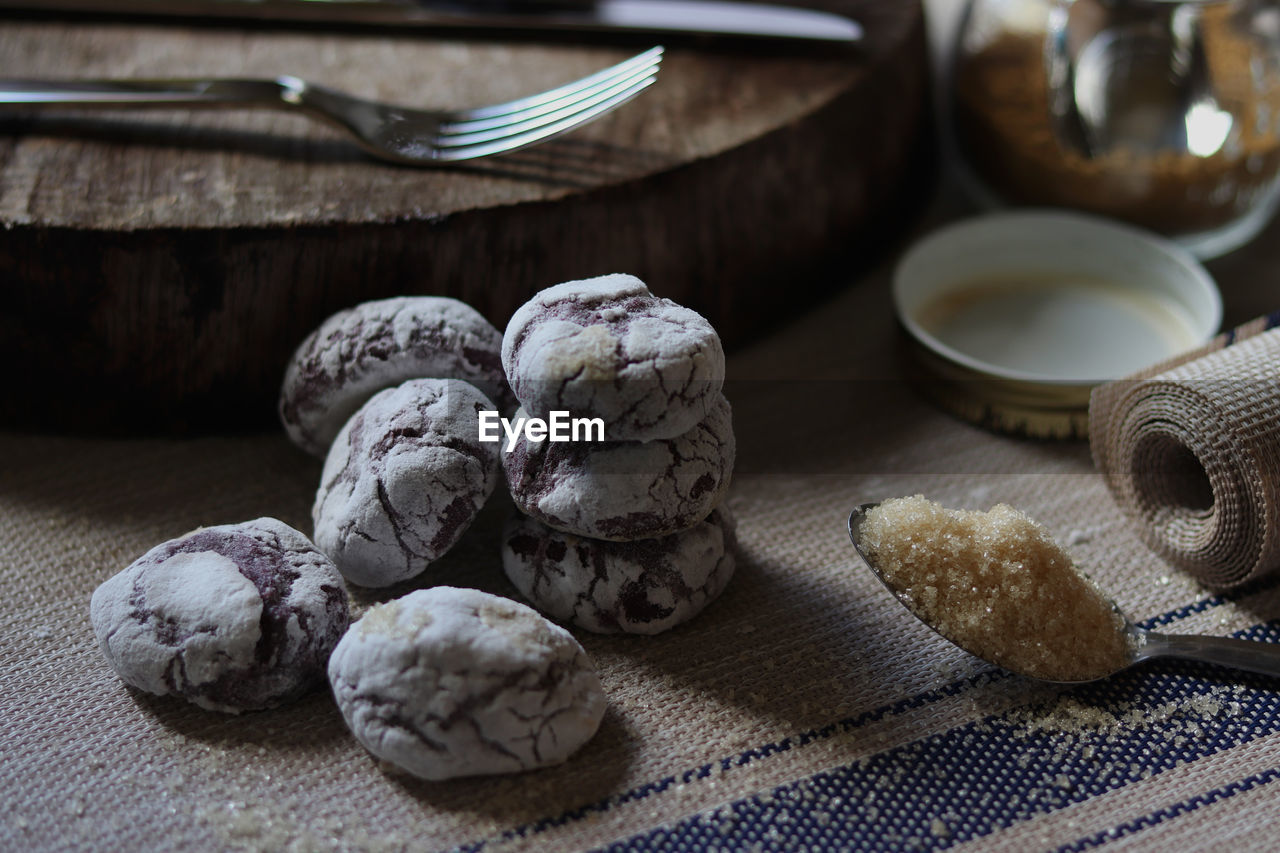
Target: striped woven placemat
804, 709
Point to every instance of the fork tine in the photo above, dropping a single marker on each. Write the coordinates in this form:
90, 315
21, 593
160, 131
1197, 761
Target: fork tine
640, 60
545, 131
449, 138
546, 105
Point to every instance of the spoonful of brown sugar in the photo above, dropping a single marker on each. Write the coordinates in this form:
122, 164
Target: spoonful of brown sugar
997, 584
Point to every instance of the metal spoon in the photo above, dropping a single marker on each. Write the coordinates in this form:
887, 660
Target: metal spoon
1248, 655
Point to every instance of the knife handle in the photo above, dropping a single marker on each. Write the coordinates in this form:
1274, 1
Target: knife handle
150, 93
756, 22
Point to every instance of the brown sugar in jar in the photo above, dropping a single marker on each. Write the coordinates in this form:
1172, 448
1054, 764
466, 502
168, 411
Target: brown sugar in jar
1005, 133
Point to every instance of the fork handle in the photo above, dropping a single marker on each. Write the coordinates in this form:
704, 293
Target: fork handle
280, 92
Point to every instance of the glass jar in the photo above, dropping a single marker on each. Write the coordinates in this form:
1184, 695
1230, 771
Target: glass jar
1160, 113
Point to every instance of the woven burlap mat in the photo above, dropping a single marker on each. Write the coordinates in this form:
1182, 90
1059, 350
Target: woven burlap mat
1191, 450
805, 707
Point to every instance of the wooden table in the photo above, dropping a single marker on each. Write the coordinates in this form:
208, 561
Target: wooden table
162, 266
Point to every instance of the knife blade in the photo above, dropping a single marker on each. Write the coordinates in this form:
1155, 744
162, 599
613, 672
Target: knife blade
715, 18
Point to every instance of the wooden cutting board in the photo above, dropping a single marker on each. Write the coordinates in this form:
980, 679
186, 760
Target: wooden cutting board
159, 268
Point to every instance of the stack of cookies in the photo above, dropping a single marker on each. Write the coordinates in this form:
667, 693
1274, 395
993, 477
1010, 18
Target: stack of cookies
621, 529
390, 393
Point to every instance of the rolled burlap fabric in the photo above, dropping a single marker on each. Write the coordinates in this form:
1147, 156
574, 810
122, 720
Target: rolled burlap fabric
1191, 450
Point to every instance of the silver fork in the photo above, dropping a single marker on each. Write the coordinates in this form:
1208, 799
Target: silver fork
389, 132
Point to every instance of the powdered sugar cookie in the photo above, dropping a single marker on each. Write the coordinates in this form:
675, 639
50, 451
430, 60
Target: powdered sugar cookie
606, 347
641, 587
403, 479
232, 618
624, 490
380, 344
449, 682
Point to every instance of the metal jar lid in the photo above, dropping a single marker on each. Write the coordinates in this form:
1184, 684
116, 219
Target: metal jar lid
1011, 319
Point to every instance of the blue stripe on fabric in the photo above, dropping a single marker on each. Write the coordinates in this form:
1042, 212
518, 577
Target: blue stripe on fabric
707, 770
1183, 612
845, 725
1209, 602
988, 775
1187, 806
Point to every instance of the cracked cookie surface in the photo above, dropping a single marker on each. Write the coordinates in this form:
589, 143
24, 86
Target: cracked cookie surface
606, 347
380, 344
403, 479
448, 682
232, 618
641, 587
624, 490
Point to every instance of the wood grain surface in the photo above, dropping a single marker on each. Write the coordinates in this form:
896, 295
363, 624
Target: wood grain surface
161, 266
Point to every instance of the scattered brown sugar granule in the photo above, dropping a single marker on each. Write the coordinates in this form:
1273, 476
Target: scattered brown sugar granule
996, 584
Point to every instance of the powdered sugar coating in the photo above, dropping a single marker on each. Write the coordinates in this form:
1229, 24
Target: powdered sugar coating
606, 347
380, 344
625, 490
232, 618
403, 479
642, 587
448, 682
